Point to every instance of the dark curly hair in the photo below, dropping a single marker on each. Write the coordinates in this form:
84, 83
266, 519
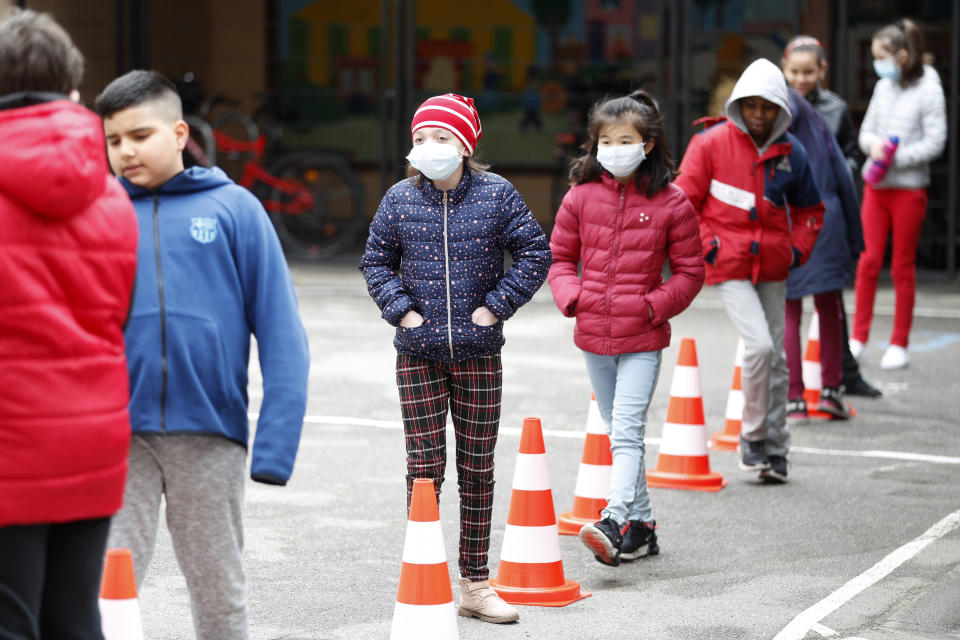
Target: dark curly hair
641, 111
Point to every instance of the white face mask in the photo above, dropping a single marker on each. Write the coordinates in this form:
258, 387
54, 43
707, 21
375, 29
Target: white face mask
621, 159
436, 161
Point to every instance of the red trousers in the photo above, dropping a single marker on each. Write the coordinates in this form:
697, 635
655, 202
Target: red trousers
827, 305
884, 210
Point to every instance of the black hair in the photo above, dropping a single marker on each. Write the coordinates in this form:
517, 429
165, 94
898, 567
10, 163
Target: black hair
641, 111
138, 87
805, 43
906, 35
37, 54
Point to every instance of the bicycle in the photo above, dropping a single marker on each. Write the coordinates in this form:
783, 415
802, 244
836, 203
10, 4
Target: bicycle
314, 199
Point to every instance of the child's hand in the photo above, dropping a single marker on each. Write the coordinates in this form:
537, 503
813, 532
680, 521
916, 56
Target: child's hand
484, 317
412, 320
876, 150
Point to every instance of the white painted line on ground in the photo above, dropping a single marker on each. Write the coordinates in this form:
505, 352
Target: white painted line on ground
887, 455
825, 632
575, 435
799, 626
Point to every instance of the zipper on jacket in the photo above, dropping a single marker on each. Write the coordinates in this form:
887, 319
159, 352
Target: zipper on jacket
163, 314
613, 263
446, 268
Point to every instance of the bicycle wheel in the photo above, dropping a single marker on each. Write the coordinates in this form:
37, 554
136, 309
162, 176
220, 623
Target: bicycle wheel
201, 149
332, 211
236, 136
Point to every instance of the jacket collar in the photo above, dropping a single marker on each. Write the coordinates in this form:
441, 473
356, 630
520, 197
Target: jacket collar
29, 98
608, 180
435, 196
779, 147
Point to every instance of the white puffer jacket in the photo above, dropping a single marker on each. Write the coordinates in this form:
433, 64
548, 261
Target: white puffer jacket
917, 114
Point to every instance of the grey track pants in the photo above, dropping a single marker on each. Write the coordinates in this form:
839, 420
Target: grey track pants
757, 311
201, 479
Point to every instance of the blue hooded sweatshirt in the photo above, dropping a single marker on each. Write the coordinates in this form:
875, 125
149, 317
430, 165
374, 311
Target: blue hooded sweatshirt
211, 272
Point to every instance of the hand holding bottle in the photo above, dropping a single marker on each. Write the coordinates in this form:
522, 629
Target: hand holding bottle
877, 169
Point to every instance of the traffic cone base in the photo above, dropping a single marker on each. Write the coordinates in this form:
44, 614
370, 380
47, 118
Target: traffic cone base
812, 398
542, 594
531, 570
569, 524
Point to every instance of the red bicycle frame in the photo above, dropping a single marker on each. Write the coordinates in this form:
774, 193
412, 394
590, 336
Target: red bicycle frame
300, 198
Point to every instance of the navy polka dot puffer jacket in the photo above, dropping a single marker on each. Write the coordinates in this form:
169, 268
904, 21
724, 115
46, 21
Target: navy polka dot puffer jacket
441, 254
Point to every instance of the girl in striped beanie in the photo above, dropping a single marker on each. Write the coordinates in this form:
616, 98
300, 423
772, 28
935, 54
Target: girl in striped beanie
434, 264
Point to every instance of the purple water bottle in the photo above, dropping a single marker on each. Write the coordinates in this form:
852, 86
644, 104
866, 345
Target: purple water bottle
878, 168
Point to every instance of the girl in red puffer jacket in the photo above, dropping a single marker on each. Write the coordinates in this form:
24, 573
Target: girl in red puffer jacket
621, 220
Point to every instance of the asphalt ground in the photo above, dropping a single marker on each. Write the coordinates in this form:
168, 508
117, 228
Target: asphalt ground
862, 542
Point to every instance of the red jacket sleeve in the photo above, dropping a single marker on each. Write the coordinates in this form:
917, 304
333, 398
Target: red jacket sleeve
696, 173
686, 265
564, 278
806, 209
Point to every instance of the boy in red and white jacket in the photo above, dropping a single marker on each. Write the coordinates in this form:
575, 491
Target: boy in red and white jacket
760, 213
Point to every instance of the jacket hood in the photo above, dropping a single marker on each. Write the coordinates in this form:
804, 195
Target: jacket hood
53, 157
190, 180
764, 79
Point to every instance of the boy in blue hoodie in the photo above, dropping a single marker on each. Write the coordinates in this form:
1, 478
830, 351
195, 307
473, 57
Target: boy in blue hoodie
211, 272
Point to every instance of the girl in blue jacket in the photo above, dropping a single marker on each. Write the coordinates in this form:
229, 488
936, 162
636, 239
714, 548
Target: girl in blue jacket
434, 265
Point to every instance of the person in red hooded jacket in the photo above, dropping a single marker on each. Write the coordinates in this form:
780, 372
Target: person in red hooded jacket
68, 242
760, 212
622, 220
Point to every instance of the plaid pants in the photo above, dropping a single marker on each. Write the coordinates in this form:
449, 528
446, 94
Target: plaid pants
472, 389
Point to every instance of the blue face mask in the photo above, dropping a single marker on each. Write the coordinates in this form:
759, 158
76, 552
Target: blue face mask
886, 68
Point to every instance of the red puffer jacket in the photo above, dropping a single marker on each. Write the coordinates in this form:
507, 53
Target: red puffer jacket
761, 213
68, 242
622, 239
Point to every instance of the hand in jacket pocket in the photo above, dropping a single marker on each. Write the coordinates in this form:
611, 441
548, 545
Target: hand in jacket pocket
411, 320
484, 317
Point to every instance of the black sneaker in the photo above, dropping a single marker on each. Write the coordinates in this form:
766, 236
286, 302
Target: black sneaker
604, 539
777, 473
639, 540
753, 456
860, 387
797, 411
831, 401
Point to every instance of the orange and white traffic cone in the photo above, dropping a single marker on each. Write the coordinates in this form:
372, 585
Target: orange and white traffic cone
729, 438
813, 372
593, 477
119, 609
424, 606
683, 462
531, 570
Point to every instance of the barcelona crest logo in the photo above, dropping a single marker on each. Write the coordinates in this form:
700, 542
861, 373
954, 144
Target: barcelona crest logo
203, 230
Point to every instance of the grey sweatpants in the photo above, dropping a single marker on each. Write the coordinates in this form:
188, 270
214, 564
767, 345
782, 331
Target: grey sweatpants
757, 311
201, 478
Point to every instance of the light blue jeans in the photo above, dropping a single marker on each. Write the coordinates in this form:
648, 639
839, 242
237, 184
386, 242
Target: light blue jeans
624, 385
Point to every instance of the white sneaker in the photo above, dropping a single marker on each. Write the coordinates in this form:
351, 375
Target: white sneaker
856, 349
894, 358
479, 600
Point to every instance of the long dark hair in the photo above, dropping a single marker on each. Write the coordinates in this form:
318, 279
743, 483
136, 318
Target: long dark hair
904, 34
640, 110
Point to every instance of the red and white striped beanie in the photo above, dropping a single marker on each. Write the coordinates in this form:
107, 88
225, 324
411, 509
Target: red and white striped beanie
452, 112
